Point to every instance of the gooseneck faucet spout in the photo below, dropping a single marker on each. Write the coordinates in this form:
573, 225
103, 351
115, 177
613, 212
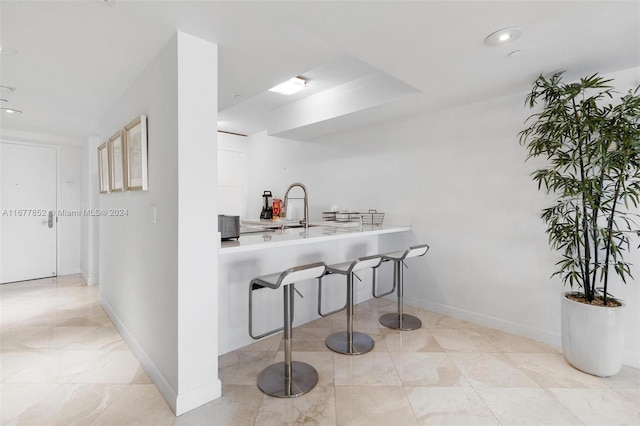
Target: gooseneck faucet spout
305, 219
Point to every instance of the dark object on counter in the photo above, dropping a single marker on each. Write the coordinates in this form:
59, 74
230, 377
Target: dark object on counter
228, 226
267, 210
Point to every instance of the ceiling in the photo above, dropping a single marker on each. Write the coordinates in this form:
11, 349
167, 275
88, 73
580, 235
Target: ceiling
76, 58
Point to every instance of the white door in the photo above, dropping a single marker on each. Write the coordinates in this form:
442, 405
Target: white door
27, 212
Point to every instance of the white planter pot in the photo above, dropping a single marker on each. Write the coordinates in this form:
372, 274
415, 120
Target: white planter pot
592, 337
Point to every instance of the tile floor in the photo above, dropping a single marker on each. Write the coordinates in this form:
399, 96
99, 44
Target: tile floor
63, 363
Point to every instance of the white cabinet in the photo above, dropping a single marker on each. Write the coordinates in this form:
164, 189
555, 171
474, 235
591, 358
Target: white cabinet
232, 171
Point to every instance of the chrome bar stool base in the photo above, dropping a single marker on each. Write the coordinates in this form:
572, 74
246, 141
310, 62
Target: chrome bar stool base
360, 344
408, 322
273, 382
290, 378
399, 320
349, 342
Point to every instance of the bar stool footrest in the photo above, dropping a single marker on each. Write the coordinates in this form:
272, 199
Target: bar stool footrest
272, 381
339, 342
392, 320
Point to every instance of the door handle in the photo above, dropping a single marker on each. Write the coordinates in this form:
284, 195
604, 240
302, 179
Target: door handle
50, 219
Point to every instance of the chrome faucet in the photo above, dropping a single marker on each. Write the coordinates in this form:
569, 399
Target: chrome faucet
305, 219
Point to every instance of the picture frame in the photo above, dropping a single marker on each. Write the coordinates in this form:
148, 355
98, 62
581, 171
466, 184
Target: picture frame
135, 136
117, 166
103, 169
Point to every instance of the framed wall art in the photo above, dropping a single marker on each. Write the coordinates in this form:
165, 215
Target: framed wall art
117, 166
135, 136
103, 168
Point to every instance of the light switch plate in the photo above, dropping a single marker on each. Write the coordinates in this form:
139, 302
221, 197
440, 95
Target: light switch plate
153, 214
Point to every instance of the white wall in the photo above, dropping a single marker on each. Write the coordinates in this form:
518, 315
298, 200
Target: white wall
459, 177
70, 200
157, 280
89, 247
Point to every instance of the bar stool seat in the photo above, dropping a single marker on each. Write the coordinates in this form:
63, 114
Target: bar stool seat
399, 320
349, 342
290, 378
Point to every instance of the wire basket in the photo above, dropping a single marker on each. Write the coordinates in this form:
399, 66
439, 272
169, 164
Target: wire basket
347, 217
372, 217
328, 216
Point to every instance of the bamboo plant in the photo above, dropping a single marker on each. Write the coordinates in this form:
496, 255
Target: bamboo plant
590, 138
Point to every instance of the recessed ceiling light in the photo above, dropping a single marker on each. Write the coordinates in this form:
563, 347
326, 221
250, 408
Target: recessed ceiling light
11, 111
291, 86
7, 50
7, 89
505, 35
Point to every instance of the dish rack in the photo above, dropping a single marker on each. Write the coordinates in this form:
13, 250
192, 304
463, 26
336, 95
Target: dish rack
341, 216
372, 217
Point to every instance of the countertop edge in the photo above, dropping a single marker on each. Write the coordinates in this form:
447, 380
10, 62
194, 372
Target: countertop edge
321, 238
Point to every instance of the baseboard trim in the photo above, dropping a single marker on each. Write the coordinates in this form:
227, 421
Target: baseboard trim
87, 279
630, 358
165, 388
194, 398
489, 321
179, 403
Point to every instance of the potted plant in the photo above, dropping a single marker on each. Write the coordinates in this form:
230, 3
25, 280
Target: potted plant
590, 139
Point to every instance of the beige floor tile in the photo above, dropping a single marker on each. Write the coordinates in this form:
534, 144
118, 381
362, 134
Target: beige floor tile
323, 322
115, 367
551, 370
598, 406
632, 395
71, 405
449, 406
462, 340
243, 368
59, 366
370, 369
317, 407
427, 369
91, 315
137, 405
369, 406
271, 343
31, 316
56, 337
420, 340
13, 338
451, 322
16, 398
627, 378
17, 362
314, 340
98, 338
321, 361
507, 342
141, 378
429, 319
53, 333
526, 406
238, 405
362, 319
490, 370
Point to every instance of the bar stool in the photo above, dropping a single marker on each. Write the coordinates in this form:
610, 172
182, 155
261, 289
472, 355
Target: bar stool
290, 378
399, 320
348, 342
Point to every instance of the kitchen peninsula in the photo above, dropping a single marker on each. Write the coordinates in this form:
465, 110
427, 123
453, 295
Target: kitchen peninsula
260, 253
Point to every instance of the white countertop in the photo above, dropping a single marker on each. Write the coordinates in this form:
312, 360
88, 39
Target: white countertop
322, 231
